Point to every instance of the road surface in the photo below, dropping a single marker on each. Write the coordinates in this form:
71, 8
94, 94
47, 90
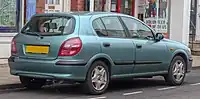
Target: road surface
154, 88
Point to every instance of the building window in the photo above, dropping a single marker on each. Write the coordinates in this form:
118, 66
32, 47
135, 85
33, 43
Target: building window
8, 15
57, 1
50, 1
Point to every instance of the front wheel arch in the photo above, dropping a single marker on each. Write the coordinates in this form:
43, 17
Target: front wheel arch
183, 55
169, 76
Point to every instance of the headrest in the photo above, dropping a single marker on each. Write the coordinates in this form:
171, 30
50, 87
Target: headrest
51, 25
61, 28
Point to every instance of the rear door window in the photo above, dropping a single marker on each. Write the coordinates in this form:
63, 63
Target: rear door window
114, 27
49, 25
109, 26
99, 28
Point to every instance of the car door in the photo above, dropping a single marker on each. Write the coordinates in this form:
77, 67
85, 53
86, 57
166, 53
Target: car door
150, 55
115, 44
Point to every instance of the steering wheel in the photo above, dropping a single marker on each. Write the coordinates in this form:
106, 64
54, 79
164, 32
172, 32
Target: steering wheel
148, 37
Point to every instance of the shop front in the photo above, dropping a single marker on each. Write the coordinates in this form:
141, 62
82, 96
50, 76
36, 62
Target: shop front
152, 12
10, 23
9, 15
155, 13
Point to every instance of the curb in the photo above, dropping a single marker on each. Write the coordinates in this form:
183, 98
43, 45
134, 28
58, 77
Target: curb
3, 65
11, 86
196, 67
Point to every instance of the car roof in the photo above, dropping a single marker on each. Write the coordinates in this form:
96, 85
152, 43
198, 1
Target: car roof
82, 13
87, 13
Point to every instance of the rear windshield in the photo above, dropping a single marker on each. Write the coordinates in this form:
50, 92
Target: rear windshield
49, 25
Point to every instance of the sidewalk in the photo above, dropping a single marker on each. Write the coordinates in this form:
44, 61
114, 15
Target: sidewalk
196, 61
7, 79
3, 62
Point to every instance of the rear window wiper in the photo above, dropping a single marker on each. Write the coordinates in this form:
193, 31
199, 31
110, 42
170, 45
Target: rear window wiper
36, 33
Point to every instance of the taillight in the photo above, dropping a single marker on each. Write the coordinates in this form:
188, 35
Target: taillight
13, 47
70, 47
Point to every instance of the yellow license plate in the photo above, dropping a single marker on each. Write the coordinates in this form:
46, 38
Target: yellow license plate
37, 49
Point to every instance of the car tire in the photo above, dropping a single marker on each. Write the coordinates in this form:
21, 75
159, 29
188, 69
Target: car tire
177, 71
101, 77
32, 83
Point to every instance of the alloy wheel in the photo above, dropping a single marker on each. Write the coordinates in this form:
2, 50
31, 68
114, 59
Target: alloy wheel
99, 78
179, 70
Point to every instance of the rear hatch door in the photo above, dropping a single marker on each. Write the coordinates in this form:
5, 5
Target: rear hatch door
43, 35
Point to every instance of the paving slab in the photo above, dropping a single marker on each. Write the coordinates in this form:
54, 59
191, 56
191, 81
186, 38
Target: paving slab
6, 78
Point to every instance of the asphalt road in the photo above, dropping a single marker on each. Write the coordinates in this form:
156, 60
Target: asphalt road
154, 88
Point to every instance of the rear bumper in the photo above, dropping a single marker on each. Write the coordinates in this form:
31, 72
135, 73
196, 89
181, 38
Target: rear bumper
189, 65
55, 69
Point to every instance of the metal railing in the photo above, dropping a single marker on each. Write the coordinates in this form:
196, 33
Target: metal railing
192, 35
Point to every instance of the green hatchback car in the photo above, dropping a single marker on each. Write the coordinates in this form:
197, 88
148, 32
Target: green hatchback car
93, 48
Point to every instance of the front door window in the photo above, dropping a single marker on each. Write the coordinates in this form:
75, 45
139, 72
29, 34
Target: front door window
137, 29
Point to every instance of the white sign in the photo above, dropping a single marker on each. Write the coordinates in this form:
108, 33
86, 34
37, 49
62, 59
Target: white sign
156, 15
126, 4
160, 25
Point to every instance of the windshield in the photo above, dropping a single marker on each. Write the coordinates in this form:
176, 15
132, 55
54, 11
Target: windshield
49, 25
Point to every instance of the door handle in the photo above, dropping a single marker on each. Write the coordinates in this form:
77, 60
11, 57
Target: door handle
106, 44
138, 46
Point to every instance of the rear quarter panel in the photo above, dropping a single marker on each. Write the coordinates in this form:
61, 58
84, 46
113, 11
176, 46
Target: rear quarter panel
91, 46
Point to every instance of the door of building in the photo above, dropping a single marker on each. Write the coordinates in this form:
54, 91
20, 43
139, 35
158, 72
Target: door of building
127, 7
123, 6
99, 5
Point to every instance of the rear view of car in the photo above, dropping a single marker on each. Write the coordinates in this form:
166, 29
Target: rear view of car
47, 48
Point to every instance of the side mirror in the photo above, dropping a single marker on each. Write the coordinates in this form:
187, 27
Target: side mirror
159, 36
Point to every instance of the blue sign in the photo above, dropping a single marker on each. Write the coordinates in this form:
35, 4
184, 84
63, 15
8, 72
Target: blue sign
30, 8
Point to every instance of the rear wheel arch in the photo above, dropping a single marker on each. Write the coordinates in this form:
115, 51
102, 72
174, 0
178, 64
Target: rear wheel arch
88, 83
106, 61
101, 57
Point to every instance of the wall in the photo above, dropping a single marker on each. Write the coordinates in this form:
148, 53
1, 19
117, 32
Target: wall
179, 20
5, 45
198, 21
